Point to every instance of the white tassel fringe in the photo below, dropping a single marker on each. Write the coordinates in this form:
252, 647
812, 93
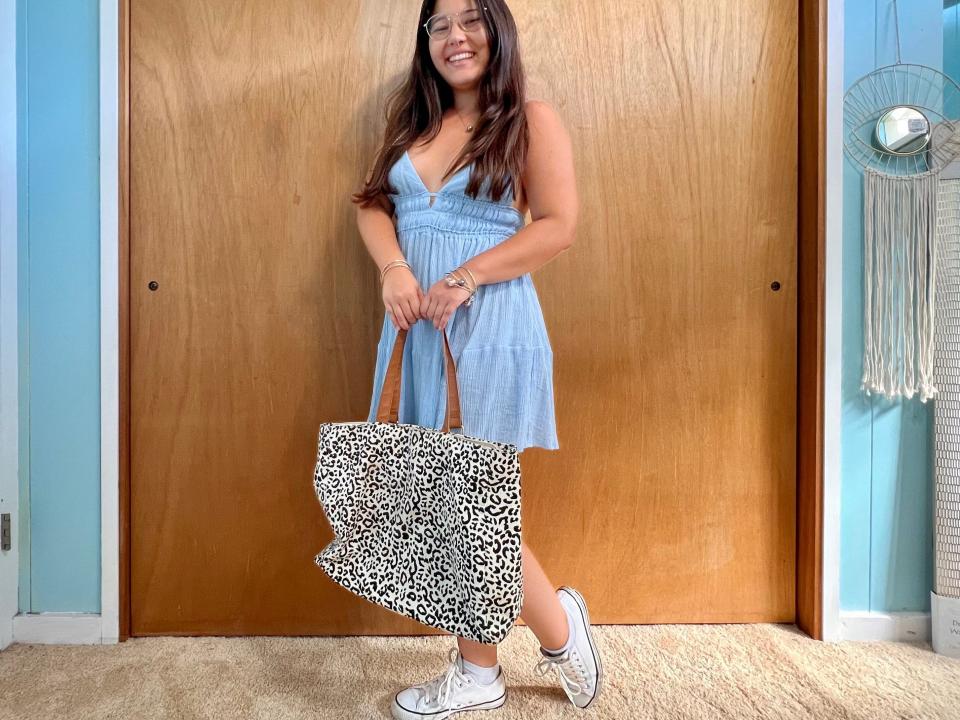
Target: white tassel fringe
899, 262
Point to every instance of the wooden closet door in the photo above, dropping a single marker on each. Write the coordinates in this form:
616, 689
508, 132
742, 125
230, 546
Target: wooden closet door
255, 309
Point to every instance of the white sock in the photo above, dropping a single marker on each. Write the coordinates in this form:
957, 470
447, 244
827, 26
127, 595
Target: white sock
568, 644
484, 675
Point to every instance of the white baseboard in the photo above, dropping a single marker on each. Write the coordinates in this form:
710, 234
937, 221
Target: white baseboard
87, 628
60, 629
895, 627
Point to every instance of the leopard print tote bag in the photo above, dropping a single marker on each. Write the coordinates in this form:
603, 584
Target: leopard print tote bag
426, 522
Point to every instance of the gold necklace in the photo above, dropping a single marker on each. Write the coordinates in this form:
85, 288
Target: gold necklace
468, 128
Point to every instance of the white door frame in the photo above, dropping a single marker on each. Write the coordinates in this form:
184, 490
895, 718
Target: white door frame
9, 367
109, 321
833, 323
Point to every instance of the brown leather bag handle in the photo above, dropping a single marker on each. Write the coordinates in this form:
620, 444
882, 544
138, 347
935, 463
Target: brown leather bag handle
389, 407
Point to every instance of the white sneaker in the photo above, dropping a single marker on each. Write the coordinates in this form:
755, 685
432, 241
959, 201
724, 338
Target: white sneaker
450, 692
578, 669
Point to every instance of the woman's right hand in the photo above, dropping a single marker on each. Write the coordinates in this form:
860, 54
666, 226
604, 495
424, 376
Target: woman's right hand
401, 297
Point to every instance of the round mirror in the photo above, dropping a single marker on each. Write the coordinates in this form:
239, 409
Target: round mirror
902, 130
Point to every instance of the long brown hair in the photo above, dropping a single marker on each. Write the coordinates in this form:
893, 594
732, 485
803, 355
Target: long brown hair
498, 144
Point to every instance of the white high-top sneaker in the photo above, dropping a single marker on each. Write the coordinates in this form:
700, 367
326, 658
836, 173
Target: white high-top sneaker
578, 669
450, 692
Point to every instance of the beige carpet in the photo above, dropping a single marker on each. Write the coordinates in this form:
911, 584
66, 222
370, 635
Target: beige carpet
662, 672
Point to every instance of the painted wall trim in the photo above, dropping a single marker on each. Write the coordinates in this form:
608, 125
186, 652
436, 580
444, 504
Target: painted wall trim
833, 323
109, 323
897, 626
58, 628
9, 327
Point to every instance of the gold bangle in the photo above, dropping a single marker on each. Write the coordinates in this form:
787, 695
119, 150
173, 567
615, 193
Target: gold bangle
475, 283
454, 280
389, 266
463, 281
393, 262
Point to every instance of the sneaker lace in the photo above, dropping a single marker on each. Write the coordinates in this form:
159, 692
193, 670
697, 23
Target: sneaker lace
569, 668
441, 687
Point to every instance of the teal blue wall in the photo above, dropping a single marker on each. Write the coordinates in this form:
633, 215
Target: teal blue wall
886, 530
951, 53
59, 301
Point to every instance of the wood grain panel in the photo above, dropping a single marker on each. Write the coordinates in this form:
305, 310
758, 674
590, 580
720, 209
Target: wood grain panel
676, 358
810, 316
672, 498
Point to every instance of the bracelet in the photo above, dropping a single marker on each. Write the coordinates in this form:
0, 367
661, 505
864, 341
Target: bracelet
392, 264
473, 280
475, 283
454, 281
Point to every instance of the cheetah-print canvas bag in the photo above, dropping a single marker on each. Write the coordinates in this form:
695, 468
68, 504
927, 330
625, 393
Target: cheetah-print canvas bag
426, 522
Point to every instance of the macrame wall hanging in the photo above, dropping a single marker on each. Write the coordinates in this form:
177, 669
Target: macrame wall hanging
896, 129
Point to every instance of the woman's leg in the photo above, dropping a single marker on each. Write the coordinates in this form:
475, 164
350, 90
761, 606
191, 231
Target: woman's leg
541, 611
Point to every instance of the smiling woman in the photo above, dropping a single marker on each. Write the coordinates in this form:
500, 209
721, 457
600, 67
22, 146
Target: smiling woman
442, 213
466, 156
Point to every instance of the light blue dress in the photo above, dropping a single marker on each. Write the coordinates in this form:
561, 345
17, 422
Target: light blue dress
499, 343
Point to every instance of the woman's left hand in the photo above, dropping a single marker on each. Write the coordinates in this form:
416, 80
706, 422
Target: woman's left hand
440, 301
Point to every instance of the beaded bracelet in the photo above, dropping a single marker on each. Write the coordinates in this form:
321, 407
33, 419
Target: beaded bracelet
455, 281
475, 283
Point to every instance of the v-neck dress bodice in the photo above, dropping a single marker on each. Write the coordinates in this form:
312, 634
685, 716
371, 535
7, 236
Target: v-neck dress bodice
499, 343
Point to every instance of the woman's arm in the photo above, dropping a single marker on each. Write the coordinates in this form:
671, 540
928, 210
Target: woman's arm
401, 291
552, 196
379, 235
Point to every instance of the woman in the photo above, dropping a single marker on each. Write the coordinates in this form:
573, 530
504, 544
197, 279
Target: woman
461, 234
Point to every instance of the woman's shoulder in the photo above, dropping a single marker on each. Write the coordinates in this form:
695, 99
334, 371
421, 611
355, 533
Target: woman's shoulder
543, 118
537, 109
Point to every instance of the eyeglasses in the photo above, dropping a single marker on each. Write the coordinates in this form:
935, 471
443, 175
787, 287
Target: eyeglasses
438, 26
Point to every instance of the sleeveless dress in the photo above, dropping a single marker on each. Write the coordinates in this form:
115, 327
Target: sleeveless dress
499, 343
